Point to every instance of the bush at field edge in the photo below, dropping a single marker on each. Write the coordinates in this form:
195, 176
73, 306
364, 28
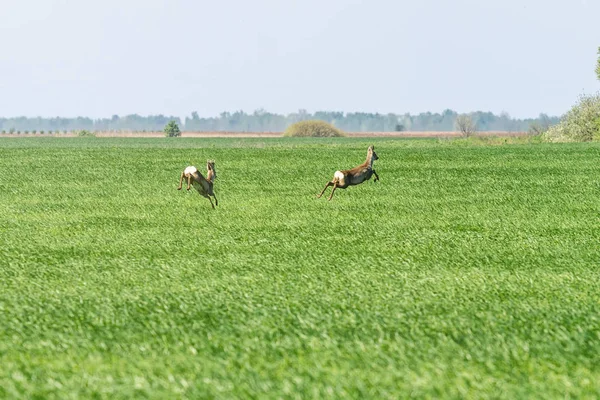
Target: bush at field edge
580, 124
312, 128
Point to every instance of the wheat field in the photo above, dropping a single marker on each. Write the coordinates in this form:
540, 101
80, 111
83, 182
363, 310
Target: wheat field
471, 270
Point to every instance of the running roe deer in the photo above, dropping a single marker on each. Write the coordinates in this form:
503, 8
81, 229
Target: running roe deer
354, 176
204, 186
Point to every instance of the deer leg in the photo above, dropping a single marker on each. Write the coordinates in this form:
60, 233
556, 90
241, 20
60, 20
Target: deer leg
180, 181
216, 201
376, 176
323, 191
332, 191
189, 182
211, 203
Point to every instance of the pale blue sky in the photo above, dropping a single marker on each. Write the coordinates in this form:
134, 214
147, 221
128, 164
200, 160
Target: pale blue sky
99, 58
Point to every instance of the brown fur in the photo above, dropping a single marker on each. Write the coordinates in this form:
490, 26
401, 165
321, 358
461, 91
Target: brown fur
354, 176
204, 186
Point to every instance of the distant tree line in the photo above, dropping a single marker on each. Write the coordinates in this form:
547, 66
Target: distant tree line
132, 122
263, 121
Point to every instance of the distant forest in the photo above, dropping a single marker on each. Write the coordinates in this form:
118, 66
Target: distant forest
263, 121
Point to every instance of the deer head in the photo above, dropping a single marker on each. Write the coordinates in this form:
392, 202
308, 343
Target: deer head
371, 155
211, 175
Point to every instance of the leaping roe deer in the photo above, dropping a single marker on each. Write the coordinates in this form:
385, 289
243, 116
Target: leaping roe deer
204, 186
354, 176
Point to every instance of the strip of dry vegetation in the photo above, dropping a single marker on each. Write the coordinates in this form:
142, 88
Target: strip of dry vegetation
405, 134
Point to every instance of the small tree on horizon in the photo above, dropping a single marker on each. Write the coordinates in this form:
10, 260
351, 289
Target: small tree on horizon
172, 129
465, 125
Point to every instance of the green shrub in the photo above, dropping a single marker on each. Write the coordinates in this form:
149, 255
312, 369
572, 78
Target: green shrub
580, 124
85, 133
172, 129
312, 128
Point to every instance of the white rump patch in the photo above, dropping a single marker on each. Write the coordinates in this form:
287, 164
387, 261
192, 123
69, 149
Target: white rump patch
190, 170
338, 175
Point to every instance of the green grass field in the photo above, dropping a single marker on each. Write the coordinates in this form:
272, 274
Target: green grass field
468, 271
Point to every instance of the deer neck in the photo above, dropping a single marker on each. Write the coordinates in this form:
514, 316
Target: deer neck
210, 176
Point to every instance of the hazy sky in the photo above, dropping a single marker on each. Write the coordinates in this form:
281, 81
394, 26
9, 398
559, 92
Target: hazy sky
99, 58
